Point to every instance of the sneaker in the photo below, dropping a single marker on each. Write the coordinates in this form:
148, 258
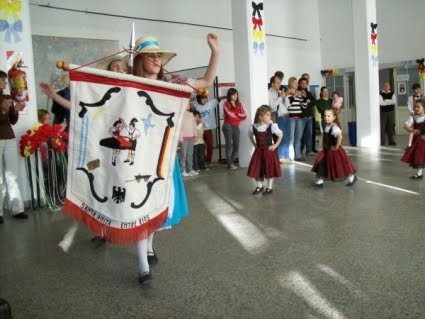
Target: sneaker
232, 166
193, 173
184, 174
285, 161
301, 159
393, 143
1, 220
310, 153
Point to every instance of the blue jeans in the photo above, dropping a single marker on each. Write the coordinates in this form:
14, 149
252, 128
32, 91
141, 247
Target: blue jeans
297, 130
284, 124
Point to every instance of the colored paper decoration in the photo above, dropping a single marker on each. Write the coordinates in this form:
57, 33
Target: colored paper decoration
258, 35
374, 45
11, 22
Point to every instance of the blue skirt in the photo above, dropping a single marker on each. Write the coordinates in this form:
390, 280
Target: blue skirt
178, 202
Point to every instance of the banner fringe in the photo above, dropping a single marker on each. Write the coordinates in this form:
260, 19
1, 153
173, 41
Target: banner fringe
112, 234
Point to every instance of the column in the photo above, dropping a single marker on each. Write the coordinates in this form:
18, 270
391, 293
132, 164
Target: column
366, 73
249, 49
15, 41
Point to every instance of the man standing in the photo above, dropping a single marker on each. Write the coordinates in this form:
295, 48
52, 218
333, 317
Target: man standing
387, 103
309, 132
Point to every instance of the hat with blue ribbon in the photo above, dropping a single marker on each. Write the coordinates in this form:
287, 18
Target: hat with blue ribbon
149, 44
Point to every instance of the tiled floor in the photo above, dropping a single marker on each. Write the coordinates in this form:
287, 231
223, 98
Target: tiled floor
330, 253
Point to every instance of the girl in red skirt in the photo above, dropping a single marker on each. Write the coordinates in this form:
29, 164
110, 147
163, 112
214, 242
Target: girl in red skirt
265, 136
415, 154
332, 162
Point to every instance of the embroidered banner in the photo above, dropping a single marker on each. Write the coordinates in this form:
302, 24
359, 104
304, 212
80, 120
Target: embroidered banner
122, 146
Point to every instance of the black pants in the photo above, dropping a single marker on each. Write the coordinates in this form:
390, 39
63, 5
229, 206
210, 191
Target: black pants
387, 126
199, 157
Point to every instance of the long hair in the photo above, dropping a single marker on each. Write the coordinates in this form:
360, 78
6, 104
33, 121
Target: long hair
138, 68
231, 92
263, 109
333, 111
321, 90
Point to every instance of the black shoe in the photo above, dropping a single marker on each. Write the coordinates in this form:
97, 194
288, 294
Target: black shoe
268, 191
393, 143
145, 277
318, 185
21, 215
126, 161
416, 176
353, 182
315, 151
114, 164
1, 220
98, 241
258, 190
131, 163
152, 259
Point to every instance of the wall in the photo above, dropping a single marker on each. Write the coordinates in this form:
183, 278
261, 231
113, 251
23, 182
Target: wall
292, 19
400, 31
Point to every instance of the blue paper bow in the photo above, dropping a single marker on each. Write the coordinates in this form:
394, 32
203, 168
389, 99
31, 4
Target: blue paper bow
259, 47
11, 30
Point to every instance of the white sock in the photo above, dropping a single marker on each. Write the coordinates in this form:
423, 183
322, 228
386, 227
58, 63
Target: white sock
351, 178
150, 246
420, 172
142, 255
320, 181
258, 182
270, 183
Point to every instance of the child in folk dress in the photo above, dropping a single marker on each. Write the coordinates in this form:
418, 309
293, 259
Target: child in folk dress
332, 162
415, 154
264, 164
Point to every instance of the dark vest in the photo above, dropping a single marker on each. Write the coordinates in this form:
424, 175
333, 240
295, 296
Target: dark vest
387, 96
270, 137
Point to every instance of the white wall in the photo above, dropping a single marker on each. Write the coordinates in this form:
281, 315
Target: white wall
285, 18
400, 31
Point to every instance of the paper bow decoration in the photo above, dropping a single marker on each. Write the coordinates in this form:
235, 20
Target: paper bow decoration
373, 26
11, 30
328, 72
11, 8
258, 35
420, 61
257, 23
259, 47
256, 9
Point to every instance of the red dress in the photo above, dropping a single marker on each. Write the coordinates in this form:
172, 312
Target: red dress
415, 154
332, 164
264, 162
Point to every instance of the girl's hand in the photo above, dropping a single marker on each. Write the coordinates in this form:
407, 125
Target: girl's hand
334, 148
272, 147
416, 132
213, 42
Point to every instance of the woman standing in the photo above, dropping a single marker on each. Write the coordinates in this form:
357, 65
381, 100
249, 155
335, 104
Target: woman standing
9, 152
234, 113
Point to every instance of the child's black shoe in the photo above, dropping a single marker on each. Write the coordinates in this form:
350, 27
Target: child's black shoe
258, 190
268, 191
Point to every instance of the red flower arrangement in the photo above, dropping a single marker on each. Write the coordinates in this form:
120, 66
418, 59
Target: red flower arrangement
53, 135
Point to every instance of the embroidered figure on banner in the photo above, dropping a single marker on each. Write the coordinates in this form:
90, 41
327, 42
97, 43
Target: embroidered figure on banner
374, 45
133, 135
257, 30
118, 194
116, 142
147, 122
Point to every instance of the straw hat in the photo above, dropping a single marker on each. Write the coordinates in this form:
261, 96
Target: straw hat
149, 44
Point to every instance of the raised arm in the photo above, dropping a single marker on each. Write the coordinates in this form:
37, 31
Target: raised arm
211, 71
50, 92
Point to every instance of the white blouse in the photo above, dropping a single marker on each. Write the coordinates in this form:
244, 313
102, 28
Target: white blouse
263, 128
418, 119
335, 129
